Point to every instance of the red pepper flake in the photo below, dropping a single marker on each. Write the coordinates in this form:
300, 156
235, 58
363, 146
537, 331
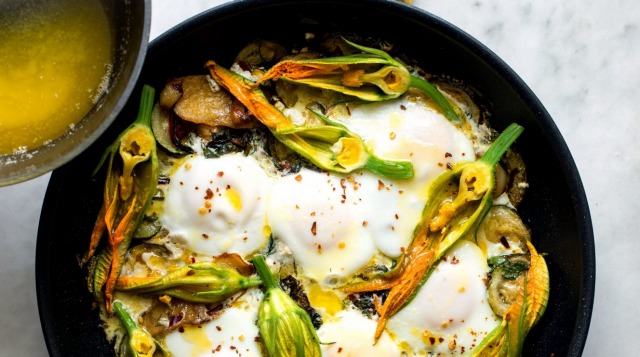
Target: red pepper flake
393, 228
402, 249
397, 216
245, 239
319, 248
232, 347
454, 260
447, 154
193, 260
463, 154
440, 339
299, 178
256, 339
449, 166
339, 349
365, 223
220, 173
197, 188
432, 340
228, 187
209, 194
452, 345
402, 107
504, 242
380, 185
314, 229
440, 164
218, 328
181, 183
218, 348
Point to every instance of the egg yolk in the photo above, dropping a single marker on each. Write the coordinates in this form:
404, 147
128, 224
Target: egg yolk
326, 299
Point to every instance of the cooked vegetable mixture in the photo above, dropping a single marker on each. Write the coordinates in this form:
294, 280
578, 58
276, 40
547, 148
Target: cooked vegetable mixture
328, 199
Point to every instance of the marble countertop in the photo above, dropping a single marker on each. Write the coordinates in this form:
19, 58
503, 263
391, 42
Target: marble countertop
579, 56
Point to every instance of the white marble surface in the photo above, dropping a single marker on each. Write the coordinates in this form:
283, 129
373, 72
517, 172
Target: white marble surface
579, 56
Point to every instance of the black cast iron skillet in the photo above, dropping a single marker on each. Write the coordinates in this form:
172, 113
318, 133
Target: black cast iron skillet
555, 206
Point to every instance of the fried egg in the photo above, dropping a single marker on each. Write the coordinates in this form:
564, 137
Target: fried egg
218, 205
233, 333
450, 313
320, 219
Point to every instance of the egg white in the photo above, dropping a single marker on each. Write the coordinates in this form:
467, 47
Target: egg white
350, 334
450, 313
316, 215
234, 333
218, 205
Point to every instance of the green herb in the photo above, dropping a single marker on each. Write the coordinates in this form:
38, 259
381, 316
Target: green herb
508, 269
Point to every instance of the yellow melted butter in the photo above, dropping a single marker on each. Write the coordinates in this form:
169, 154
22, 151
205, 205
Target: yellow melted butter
55, 58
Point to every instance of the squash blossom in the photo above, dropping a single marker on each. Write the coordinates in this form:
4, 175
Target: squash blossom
522, 315
132, 175
285, 328
330, 146
140, 343
458, 201
199, 282
372, 75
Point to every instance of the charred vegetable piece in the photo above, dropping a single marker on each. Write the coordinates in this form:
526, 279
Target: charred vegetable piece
502, 225
198, 282
329, 147
149, 226
132, 175
139, 343
294, 288
507, 274
161, 127
458, 201
260, 53
372, 75
285, 328
522, 314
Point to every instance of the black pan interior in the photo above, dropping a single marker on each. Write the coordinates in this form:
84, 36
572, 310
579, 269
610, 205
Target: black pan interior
555, 206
